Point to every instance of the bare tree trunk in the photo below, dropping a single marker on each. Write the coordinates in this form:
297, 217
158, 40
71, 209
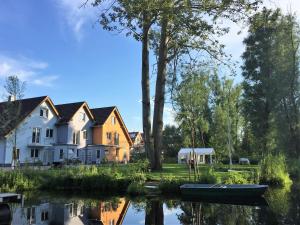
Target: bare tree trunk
160, 94
146, 89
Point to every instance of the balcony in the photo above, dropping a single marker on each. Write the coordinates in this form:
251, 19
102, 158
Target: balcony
40, 142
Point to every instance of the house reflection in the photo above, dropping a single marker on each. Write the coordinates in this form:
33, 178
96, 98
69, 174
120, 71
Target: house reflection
74, 212
110, 212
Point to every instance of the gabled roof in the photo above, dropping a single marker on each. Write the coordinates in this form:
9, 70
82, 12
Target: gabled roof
26, 107
101, 114
204, 151
133, 135
67, 111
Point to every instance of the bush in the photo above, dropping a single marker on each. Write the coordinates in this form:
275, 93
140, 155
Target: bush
209, 176
136, 188
170, 185
236, 178
273, 171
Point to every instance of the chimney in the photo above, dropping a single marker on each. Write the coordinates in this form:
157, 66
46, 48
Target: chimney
11, 98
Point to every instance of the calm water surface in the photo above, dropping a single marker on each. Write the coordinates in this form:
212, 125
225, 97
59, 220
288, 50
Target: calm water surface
281, 207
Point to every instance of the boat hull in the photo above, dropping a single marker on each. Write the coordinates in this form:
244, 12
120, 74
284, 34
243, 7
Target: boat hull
203, 190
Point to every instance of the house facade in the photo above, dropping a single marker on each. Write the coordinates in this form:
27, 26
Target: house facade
46, 133
137, 142
34, 133
110, 131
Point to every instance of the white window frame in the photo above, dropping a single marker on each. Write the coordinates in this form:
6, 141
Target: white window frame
48, 133
44, 112
113, 120
36, 135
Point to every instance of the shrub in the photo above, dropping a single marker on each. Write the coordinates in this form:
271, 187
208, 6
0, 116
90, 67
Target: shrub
136, 188
236, 178
209, 176
170, 185
273, 170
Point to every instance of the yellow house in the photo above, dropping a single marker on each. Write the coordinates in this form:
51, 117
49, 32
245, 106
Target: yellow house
109, 130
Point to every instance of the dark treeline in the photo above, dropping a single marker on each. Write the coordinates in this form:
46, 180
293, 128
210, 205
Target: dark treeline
258, 116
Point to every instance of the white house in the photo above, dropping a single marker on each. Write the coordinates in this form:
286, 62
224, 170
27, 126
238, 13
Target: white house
203, 155
33, 134
75, 134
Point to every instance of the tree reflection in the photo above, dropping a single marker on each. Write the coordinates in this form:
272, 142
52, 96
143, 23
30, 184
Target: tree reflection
154, 213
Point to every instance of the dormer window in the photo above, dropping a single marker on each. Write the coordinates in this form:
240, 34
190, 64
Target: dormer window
44, 112
82, 117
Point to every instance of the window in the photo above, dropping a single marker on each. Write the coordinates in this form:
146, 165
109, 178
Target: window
44, 216
113, 120
44, 112
34, 153
16, 154
76, 137
77, 153
61, 154
49, 133
98, 154
84, 133
83, 116
116, 138
31, 215
36, 132
201, 158
108, 136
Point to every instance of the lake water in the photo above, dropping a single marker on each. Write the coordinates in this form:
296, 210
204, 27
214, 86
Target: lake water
282, 206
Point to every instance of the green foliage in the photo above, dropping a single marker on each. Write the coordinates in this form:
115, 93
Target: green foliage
236, 178
273, 170
294, 168
171, 185
172, 141
136, 188
208, 176
271, 84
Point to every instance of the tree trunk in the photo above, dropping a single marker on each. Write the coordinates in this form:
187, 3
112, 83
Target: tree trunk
146, 89
160, 94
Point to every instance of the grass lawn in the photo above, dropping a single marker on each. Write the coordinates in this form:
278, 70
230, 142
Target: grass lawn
181, 171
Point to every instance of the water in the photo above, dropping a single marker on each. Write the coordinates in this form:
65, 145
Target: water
282, 207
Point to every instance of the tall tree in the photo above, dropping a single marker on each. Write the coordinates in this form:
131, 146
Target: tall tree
181, 27
14, 91
271, 85
226, 118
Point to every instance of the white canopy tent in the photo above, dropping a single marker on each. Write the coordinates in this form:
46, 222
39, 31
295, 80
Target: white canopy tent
184, 155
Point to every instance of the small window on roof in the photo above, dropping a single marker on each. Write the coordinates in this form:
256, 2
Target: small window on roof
44, 112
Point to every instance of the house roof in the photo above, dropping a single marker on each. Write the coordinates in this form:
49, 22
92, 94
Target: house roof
101, 114
203, 151
26, 107
67, 111
133, 135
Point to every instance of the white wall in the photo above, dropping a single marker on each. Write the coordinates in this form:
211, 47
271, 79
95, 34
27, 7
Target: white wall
77, 124
24, 134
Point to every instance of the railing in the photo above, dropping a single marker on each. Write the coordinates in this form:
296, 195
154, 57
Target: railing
41, 141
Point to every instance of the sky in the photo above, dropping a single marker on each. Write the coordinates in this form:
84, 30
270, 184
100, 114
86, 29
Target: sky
59, 50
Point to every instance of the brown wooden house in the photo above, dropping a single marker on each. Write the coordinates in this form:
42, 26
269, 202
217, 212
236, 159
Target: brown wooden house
110, 131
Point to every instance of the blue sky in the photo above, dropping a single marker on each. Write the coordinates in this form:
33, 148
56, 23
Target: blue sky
60, 51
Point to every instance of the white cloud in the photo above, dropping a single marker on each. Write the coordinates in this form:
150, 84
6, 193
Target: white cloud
29, 70
77, 15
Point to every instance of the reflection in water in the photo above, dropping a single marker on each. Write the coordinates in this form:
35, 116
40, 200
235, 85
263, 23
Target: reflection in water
284, 208
154, 213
